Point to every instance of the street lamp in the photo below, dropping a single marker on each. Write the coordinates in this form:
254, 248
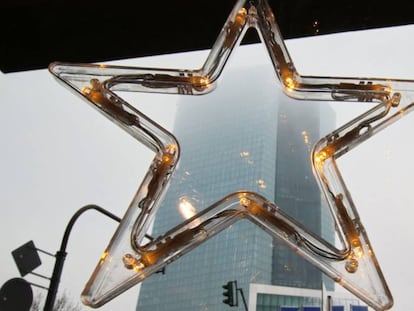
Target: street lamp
61, 253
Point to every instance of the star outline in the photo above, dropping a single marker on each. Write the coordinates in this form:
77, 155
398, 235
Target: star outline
191, 82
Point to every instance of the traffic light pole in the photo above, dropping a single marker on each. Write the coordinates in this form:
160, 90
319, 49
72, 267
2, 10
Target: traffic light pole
242, 295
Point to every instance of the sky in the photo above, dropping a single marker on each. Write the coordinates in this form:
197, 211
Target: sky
59, 154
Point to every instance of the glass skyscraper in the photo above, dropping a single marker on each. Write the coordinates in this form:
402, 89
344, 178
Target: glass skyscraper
245, 135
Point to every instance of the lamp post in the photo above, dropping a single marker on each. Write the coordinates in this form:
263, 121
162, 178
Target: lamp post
61, 253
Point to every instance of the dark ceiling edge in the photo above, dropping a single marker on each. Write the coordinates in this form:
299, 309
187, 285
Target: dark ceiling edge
36, 33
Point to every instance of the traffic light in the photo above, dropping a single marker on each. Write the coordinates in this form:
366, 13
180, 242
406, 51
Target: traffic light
229, 294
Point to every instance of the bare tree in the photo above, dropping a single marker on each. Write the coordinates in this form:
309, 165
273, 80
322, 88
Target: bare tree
37, 302
63, 303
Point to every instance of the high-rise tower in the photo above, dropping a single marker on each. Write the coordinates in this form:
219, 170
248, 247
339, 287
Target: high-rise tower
245, 135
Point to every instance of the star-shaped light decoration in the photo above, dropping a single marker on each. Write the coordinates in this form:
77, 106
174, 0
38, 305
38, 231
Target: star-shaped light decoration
131, 258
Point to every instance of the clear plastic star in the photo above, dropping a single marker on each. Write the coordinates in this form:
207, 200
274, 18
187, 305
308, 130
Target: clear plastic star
131, 257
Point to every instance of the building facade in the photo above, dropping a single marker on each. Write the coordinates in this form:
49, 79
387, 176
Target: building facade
245, 135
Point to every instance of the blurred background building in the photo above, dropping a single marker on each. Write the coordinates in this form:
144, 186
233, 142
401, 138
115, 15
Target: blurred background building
246, 135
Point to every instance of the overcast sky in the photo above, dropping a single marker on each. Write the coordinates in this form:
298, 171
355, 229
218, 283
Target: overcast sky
58, 155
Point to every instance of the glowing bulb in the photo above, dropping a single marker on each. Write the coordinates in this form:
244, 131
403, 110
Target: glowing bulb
204, 81
245, 202
289, 83
358, 252
86, 90
234, 28
128, 260
395, 99
351, 265
131, 263
324, 154
200, 83
170, 150
321, 156
241, 16
166, 157
103, 257
187, 210
94, 93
